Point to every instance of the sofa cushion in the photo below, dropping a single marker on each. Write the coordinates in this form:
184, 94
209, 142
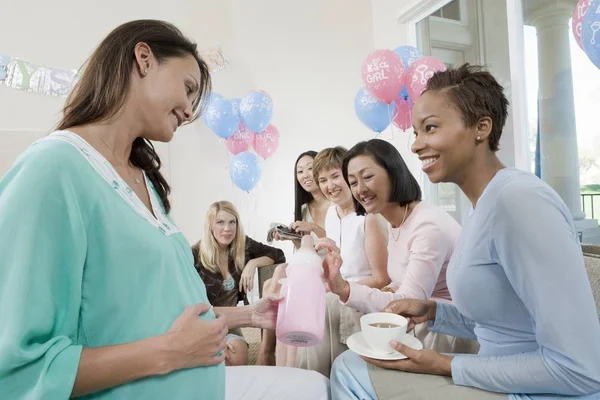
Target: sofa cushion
592, 266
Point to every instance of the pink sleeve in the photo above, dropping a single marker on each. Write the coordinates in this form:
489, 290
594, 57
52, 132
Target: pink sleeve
429, 248
368, 300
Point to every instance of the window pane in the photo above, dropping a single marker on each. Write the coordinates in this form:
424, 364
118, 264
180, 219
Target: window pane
452, 10
562, 103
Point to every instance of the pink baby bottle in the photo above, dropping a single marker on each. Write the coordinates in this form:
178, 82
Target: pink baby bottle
301, 314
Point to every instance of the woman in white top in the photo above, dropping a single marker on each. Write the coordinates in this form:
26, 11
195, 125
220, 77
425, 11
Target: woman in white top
348, 232
309, 218
310, 204
363, 240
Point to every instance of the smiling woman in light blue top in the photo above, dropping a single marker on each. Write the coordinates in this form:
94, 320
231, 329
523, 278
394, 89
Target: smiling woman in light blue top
98, 293
517, 276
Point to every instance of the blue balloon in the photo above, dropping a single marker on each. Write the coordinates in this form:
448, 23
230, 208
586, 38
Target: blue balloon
236, 104
222, 117
210, 99
408, 54
404, 93
590, 32
4, 60
375, 114
244, 170
256, 110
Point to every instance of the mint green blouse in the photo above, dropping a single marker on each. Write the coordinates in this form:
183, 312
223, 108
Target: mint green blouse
83, 263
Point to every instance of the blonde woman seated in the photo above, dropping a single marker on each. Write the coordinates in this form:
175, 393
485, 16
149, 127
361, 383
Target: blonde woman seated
226, 259
362, 240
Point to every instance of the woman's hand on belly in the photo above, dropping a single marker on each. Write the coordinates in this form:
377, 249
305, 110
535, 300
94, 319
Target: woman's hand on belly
193, 342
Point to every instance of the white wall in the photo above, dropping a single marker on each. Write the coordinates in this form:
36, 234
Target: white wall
308, 59
389, 33
306, 55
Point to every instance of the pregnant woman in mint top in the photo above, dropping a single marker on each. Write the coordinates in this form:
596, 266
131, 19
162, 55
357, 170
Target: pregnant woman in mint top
517, 276
98, 293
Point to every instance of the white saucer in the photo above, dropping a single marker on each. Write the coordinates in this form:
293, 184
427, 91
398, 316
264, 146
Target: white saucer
358, 344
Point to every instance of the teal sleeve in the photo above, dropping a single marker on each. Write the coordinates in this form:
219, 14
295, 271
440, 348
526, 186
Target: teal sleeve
42, 252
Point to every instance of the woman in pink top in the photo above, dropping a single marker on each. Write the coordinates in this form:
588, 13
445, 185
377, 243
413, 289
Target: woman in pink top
420, 242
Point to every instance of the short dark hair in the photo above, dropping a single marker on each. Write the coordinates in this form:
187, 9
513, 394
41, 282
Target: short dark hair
302, 196
475, 93
404, 188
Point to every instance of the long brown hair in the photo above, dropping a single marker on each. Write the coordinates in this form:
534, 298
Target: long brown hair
104, 85
302, 196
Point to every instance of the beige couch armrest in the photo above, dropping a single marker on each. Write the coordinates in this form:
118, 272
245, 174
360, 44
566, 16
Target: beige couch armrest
265, 273
591, 256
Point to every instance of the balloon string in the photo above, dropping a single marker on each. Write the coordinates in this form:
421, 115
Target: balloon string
391, 125
410, 106
408, 141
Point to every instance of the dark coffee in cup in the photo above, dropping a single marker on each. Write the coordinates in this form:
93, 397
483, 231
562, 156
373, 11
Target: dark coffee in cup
383, 325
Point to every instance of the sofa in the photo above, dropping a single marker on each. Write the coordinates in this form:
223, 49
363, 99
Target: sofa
591, 255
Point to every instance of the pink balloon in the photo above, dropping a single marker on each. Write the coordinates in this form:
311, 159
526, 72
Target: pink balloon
241, 140
419, 73
403, 117
383, 75
577, 22
266, 142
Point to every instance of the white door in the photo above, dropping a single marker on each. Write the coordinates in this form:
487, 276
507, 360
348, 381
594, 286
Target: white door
454, 42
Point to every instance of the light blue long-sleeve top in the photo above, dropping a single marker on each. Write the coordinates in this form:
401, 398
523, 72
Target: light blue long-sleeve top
519, 286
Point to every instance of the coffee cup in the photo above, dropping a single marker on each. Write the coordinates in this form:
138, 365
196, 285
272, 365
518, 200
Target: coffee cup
379, 329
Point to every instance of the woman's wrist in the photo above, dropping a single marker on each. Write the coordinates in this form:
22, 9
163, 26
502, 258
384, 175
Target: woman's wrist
320, 232
237, 317
166, 357
431, 314
447, 365
343, 290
